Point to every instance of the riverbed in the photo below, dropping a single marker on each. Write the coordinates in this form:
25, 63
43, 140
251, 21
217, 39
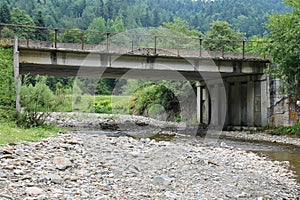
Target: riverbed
106, 163
92, 165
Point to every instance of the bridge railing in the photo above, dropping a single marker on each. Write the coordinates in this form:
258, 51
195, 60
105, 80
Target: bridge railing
132, 42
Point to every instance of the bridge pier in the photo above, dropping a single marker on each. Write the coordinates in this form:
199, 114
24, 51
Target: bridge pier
203, 104
237, 102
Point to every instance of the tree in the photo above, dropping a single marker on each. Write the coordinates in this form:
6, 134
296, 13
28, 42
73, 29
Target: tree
181, 26
97, 26
21, 17
72, 36
285, 47
41, 34
115, 26
4, 13
223, 35
7, 96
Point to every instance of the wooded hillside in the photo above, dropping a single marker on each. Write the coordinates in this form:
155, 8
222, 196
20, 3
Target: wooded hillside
246, 16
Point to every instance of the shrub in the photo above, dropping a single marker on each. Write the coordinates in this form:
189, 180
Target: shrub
103, 106
37, 101
155, 99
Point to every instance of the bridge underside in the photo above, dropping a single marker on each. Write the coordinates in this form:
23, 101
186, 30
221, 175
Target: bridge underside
111, 72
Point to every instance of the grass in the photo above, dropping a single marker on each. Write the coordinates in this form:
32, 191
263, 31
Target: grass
85, 103
10, 132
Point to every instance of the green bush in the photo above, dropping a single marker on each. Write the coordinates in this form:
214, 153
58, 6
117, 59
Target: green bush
146, 99
103, 106
37, 101
291, 130
7, 94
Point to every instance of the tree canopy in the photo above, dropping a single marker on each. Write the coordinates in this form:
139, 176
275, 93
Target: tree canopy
246, 16
227, 37
285, 47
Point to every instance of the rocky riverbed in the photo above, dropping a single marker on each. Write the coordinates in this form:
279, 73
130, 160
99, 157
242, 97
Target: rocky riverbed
87, 165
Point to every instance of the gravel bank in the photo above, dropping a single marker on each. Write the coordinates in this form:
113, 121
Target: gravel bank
261, 137
152, 126
93, 166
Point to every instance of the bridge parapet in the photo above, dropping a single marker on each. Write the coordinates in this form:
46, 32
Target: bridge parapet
128, 43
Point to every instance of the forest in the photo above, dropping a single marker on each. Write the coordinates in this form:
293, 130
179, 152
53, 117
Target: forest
245, 16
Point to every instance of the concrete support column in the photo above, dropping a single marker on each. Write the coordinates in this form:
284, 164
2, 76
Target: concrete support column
257, 103
235, 102
17, 75
227, 120
250, 103
218, 105
264, 101
213, 89
205, 106
199, 99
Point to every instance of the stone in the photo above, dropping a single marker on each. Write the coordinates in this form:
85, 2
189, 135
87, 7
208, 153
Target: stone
6, 196
54, 178
18, 172
162, 180
238, 165
62, 163
134, 154
33, 191
2, 175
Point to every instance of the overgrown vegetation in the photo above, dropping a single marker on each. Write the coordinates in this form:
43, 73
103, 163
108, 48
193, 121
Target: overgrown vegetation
155, 100
38, 101
282, 130
9, 118
284, 47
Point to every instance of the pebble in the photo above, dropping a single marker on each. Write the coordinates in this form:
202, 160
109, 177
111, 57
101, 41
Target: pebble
62, 163
163, 180
79, 165
33, 191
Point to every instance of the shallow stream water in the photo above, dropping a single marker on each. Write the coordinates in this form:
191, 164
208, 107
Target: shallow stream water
270, 150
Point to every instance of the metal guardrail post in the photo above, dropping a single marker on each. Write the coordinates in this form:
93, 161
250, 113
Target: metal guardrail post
132, 46
55, 38
223, 50
200, 49
107, 41
155, 43
82, 42
244, 44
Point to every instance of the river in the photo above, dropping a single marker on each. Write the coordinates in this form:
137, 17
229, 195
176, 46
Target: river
270, 150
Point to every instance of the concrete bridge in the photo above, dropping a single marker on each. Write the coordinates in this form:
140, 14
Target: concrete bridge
232, 88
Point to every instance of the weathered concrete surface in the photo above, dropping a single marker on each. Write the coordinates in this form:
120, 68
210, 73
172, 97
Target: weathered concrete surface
93, 63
